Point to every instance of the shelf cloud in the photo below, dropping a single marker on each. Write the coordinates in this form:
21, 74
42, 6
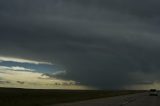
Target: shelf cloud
106, 44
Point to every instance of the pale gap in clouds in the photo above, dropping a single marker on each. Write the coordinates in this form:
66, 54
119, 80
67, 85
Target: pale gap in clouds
21, 77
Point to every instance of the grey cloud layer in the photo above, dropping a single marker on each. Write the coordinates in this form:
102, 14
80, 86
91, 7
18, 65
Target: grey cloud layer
100, 43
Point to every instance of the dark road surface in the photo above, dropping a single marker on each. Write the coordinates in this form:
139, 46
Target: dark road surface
142, 99
146, 101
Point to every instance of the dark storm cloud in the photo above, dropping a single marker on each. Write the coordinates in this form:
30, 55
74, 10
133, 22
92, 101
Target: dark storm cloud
100, 43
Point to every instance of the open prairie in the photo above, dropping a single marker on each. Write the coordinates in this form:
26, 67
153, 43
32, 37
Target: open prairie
32, 97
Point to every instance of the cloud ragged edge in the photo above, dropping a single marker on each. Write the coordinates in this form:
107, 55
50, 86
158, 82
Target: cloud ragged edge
20, 60
15, 68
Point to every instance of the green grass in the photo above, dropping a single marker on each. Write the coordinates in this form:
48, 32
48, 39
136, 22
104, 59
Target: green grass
30, 97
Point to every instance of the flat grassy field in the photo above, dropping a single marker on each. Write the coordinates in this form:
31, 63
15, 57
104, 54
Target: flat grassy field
30, 97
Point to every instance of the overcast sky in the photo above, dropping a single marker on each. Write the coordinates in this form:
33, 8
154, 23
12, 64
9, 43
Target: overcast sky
101, 44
